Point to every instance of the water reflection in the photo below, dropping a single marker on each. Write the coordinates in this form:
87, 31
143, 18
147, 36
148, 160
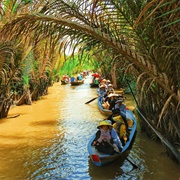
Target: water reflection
49, 141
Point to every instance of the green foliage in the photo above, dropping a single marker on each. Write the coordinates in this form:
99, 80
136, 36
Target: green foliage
25, 80
26, 67
75, 65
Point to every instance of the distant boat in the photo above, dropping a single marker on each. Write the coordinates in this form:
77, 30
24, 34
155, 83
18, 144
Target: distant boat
64, 82
76, 83
92, 85
101, 159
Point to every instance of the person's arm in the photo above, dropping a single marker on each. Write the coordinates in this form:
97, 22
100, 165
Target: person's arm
116, 138
98, 133
123, 108
112, 104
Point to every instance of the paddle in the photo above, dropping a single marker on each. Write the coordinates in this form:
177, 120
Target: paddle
91, 100
134, 165
13, 116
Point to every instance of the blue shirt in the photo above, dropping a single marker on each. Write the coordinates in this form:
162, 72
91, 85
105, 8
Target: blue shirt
122, 109
72, 79
115, 137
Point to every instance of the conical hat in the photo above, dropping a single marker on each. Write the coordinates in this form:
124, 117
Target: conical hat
102, 123
112, 94
102, 86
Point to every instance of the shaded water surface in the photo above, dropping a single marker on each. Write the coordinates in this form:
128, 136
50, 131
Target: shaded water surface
49, 141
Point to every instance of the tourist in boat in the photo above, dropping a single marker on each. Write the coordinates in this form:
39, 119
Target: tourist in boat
96, 75
122, 111
108, 82
79, 77
121, 106
103, 141
102, 90
73, 79
112, 100
65, 78
115, 112
115, 136
96, 81
105, 100
109, 101
120, 128
110, 88
103, 82
119, 125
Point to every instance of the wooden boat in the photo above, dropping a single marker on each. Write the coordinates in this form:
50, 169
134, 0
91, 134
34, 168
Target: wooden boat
92, 85
101, 159
76, 83
64, 82
102, 110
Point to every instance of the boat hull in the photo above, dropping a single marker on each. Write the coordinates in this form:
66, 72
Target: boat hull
64, 82
76, 83
92, 85
102, 110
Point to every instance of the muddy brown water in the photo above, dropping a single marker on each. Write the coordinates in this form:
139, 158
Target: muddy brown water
49, 141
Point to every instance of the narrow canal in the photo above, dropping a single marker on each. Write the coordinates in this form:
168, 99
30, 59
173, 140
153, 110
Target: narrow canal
49, 141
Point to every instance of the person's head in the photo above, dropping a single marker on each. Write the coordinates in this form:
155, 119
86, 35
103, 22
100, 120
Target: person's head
115, 112
110, 86
102, 87
104, 125
108, 81
108, 92
116, 97
103, 81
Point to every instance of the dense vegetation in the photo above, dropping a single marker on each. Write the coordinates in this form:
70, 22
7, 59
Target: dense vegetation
137, 39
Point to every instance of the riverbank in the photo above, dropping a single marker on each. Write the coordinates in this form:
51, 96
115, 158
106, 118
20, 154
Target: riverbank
31, 126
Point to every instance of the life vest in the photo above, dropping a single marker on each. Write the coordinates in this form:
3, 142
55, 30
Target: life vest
119, 119
120, 129
130, 122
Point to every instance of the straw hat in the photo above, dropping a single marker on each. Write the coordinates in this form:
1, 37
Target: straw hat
112, 94
102, 86
104, 123
110, 85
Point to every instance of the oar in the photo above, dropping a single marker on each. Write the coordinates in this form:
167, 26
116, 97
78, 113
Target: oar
13, 116
91, 100
134, 165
